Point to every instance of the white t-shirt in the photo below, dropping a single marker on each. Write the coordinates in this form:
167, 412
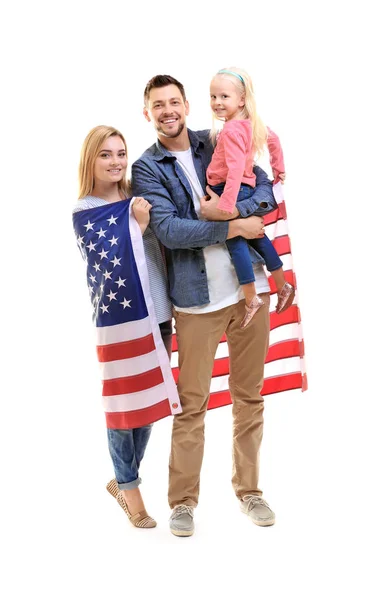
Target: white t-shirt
223, 285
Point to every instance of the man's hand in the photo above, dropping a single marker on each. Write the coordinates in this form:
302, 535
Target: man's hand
209, 210
249, 228
141, 209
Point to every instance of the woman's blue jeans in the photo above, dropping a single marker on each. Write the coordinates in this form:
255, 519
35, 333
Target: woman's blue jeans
127, 446
238, 246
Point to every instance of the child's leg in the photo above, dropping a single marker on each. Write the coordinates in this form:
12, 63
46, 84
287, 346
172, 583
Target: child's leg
239, 253
285, 291
273, 262
279, 278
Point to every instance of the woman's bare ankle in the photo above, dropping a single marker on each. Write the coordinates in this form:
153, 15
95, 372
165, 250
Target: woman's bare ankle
134, 500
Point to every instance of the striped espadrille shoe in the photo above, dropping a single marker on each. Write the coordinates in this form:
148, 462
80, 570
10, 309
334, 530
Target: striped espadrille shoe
141, 520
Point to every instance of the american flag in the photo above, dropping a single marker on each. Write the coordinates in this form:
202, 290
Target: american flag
137, 382
284, 366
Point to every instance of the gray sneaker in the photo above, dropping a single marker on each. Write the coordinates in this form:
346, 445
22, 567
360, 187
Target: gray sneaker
258, 510
181, 521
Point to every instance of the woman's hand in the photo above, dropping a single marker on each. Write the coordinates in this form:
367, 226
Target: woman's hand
141, 209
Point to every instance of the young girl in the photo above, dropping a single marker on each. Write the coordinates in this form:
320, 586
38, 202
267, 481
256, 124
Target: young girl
102, 180
230, 175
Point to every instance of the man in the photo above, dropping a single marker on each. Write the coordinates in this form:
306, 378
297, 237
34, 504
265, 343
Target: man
207, 299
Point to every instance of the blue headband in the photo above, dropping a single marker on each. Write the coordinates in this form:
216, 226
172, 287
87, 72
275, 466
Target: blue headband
232, 73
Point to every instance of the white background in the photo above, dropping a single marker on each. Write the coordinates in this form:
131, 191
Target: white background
69, 67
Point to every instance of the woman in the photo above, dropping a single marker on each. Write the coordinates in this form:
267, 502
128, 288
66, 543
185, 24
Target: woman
103, 181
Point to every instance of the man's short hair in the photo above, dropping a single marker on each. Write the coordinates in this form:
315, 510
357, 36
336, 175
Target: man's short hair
159, 81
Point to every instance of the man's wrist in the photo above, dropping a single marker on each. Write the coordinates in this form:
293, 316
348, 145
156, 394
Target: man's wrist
234, 229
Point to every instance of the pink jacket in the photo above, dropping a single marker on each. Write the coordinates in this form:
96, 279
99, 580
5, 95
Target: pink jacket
232, 160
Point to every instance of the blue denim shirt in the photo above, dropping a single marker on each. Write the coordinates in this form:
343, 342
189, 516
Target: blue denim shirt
159, 178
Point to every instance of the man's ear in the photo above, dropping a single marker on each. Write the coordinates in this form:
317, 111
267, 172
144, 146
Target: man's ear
146, 115
186, 104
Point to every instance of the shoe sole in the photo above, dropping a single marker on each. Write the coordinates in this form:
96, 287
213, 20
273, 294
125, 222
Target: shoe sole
262, 524
180, 533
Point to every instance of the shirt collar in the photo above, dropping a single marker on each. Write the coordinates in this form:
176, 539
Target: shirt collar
161, 152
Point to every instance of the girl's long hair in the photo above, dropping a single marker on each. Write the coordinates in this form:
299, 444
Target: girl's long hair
90, 149
249, 111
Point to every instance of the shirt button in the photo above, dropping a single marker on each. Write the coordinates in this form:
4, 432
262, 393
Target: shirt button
174, 405
202, 271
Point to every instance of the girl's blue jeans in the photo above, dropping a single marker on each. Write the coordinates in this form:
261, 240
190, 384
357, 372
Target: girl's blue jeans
238, 246
127, 446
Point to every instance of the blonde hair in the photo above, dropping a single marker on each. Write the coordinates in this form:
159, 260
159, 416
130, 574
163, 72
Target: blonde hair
249, 111
90, 149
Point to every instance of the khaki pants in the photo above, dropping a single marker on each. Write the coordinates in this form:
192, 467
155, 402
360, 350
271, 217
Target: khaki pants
198, 337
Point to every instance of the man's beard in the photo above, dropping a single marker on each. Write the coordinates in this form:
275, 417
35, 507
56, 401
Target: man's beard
171, 135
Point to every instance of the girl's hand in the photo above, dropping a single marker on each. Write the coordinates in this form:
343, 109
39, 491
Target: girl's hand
279, 176
141, 209
209, 210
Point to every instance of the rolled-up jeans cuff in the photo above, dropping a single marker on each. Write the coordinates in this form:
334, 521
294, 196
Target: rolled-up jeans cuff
131, 485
